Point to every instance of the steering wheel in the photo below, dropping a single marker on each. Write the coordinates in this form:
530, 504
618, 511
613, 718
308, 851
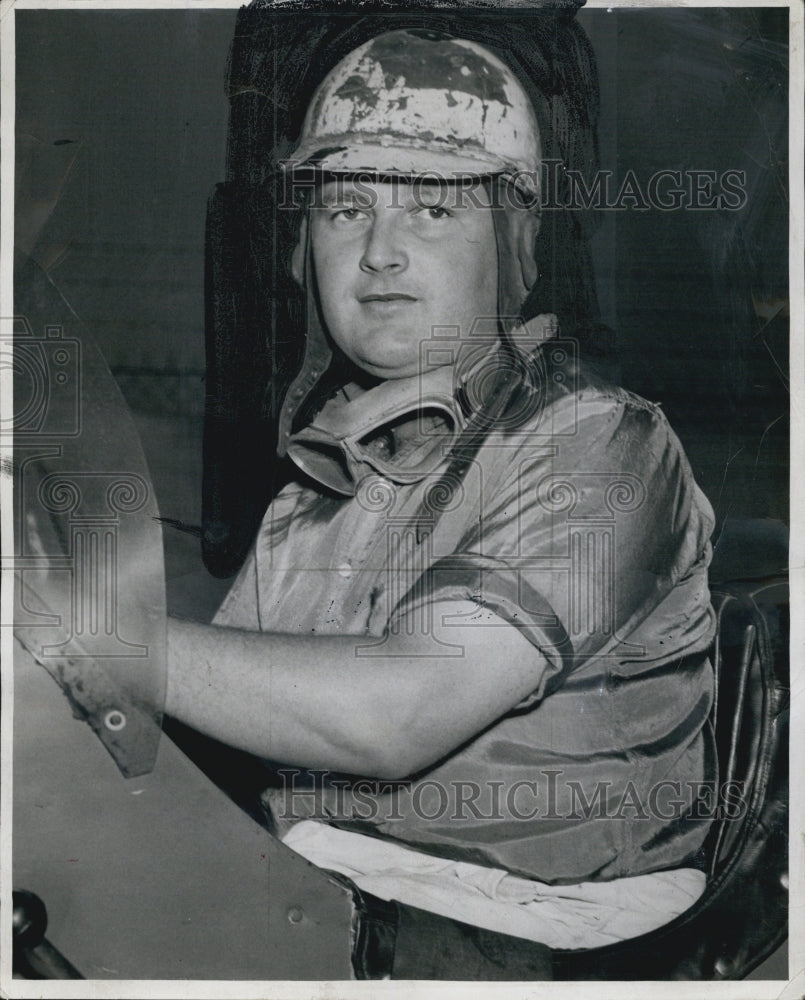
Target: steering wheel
90, 581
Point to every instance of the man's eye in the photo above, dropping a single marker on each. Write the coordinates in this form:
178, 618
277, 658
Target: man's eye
435, 212
349, 213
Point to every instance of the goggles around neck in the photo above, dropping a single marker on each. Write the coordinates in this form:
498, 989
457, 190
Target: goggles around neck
402, 430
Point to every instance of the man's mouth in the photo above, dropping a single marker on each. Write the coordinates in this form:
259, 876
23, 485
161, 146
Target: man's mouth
387, 297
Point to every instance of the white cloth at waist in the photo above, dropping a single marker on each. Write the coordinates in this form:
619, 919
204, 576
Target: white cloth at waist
584, 915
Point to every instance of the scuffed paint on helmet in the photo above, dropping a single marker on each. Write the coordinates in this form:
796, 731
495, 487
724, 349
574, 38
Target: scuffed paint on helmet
413, 103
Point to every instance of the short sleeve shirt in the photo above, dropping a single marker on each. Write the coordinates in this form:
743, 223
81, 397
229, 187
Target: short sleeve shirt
579, 524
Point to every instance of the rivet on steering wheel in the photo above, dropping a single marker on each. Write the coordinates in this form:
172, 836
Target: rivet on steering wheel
115, 720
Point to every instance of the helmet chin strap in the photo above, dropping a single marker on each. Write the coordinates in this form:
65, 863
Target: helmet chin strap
316, 358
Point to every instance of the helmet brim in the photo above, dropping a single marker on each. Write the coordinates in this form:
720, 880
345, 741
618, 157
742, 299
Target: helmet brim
344, 154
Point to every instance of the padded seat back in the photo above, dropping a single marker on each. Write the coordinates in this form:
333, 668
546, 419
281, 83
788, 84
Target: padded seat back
743, 914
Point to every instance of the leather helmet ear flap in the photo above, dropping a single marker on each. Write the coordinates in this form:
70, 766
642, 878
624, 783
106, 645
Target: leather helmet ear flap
529, 226
317, 352
515, 231
298, 255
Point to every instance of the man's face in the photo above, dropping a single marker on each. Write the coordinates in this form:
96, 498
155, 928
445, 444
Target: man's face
393, 260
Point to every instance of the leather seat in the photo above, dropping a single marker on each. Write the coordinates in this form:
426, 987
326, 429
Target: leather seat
742, 917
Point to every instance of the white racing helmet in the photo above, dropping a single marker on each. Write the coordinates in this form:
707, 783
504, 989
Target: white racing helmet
418, 103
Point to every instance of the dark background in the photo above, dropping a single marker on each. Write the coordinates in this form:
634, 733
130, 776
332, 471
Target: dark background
122, 121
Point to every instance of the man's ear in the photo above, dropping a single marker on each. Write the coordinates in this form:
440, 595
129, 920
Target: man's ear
529, 223
298, 255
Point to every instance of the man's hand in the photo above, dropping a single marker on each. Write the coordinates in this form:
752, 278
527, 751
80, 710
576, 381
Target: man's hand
311, 701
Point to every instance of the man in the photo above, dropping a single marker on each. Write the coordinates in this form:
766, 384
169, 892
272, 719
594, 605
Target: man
479, 617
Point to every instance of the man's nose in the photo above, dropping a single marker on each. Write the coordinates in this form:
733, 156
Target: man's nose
385, 243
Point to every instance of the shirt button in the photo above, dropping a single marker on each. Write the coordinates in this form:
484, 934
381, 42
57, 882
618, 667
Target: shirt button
345, 571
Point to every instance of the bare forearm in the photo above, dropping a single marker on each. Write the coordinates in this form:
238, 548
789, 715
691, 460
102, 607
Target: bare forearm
271, 694
310, 701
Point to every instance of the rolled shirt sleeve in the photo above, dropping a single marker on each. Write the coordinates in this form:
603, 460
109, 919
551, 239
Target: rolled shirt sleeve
595, 547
